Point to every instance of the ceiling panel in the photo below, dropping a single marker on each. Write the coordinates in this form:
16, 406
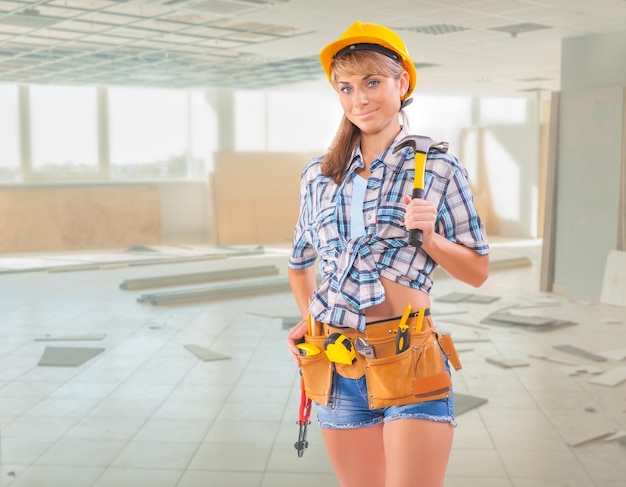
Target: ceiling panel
468, 46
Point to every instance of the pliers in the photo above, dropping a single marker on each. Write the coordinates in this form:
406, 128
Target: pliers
304, 414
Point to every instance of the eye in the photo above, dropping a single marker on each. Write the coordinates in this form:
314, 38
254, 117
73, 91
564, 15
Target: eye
373, 83
346, 89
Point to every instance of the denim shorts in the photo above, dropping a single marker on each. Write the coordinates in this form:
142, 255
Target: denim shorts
348, 408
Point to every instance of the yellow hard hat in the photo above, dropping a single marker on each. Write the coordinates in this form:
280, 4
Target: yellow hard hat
372, 37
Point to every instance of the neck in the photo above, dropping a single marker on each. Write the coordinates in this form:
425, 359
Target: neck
374, 144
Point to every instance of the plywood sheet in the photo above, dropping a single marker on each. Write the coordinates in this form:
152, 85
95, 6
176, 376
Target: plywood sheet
255, 196
78, 218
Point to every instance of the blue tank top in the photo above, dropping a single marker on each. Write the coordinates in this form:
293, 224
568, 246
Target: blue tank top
357, 223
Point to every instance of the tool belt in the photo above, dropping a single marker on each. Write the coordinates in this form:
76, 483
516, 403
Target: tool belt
417, 374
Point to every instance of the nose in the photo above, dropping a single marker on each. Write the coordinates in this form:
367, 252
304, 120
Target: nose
361, 96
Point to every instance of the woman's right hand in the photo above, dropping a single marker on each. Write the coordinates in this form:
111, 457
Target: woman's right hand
294, 336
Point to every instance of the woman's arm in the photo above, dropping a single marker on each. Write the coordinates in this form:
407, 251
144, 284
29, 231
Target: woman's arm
303, 285
459, 261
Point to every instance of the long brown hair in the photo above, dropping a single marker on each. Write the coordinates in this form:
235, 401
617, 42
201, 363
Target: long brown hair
338, 156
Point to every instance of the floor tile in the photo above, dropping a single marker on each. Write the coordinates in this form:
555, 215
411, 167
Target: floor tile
476, 463
47, 476
272, 479
191, 431
156, 454
546, 465
132, 477
95, 428
193, 478
149, 412
477, 482
77, 453
238, 457
45, 429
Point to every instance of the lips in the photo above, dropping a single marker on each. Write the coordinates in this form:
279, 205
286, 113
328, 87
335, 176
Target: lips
365, 115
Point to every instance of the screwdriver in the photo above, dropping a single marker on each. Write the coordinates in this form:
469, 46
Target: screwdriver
403, 336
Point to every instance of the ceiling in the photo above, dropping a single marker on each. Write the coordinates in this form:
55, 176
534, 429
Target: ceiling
465, 47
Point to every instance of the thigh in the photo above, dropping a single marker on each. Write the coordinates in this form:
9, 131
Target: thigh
357, 455
417, 452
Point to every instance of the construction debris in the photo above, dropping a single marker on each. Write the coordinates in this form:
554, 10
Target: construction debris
69, 338
532, 323
205, 354
580, 352
611, 377
466, 298
221, 291
198, 277
507, 363
68, 356
465, 402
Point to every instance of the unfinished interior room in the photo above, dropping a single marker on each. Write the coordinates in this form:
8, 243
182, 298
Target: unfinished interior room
151, 154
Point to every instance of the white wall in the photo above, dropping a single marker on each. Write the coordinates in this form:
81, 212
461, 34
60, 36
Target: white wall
590, 160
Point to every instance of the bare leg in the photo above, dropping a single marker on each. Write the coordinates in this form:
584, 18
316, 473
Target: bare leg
417, 452
357, 455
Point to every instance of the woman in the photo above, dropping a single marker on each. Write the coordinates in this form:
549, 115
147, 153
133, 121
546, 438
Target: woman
356, 213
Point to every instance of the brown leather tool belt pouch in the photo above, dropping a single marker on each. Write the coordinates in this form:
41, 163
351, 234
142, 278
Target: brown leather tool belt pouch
317, 372
418, 374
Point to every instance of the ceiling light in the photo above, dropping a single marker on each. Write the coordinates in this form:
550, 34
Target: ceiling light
437, 29
515, 29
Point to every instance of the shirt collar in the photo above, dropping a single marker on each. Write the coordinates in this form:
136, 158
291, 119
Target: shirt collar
391, 160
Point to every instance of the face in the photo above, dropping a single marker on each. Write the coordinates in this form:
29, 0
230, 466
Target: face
372, 102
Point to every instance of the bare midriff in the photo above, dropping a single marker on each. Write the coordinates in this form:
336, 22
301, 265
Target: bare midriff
397, 297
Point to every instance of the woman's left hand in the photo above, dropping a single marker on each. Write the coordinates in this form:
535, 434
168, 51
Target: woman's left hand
294, 336
420, 215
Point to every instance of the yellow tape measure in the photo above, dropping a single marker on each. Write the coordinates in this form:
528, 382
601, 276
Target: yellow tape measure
308, 349
339, 349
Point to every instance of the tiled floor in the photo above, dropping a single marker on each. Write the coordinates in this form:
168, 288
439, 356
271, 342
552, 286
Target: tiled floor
147, 412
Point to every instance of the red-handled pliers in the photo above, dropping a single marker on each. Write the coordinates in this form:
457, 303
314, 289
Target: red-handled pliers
304, 414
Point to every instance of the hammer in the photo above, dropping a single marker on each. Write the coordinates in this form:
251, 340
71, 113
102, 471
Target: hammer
420, 146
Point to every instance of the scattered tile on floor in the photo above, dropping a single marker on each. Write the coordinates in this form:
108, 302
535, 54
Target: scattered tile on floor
477, 298
507, 363
592, 437
453, 297
575, 370
580, 352
530, 323
205, 353
68, 356
554, 360
617, 436
617, 355
466, 402
611, 378
466, 298
70, 338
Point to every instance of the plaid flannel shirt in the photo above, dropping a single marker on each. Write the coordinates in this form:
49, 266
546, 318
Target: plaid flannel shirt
351, 268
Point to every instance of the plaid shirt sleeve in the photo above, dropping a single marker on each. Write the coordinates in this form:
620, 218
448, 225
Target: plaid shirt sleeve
459, 221
303, 254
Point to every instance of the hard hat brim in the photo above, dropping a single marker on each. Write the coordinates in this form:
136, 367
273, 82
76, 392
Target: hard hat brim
328, 53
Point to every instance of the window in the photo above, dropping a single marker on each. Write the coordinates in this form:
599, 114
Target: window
64, 131
250, 123
9, 128
148, 133
500, 111
303, 120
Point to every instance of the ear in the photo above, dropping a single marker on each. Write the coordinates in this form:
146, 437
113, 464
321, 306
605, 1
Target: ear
404, 83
